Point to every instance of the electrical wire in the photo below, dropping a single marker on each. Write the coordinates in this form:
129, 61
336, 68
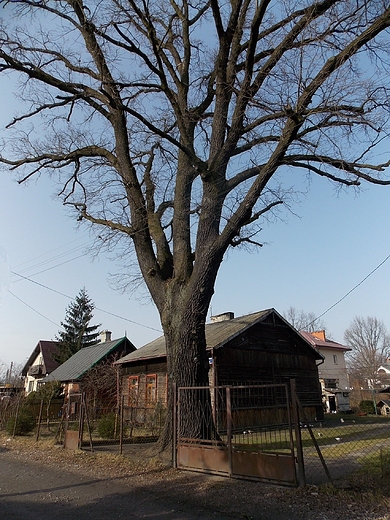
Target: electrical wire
49, 268
70, 298
32, 308
52, 251
348, 293
49, 260
22, 277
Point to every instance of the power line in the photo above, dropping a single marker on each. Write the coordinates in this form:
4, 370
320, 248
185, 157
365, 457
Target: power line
70, 298
52, 251
349, 292
158, 330
51, 259
32, 308
49, 268
42, 285
22, 277
126, 319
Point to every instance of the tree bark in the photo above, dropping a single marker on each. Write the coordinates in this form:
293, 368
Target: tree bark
183, 321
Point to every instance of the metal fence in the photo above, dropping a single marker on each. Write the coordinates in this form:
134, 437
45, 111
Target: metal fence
21, 416
258, 420
82, 422
338, 447
238, 431
85, 426
352, 446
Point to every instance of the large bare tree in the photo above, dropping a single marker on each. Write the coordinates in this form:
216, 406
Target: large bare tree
370, 344
176, 127
302, 320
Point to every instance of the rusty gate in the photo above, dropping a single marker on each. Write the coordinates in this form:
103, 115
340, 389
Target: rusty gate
241, 431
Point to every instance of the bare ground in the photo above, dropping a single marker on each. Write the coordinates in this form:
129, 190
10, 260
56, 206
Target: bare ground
140, 469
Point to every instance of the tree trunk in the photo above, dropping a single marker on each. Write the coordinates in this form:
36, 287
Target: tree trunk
188, 366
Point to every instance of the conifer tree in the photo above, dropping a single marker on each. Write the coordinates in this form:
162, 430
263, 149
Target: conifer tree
77, 332
175, 128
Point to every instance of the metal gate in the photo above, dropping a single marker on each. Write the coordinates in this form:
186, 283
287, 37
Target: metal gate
241, 431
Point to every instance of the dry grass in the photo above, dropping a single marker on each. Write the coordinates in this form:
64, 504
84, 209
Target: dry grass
141, 467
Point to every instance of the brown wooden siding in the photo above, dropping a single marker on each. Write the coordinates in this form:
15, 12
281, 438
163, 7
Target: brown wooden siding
141, 399
269, 352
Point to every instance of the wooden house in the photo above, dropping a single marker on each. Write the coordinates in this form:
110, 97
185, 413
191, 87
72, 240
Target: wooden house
90, 370
260, 348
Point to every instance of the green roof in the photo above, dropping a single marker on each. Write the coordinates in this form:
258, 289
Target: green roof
86, 358
217, 335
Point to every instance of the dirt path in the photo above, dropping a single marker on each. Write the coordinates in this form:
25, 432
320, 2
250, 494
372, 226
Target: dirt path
40, 482
31, 490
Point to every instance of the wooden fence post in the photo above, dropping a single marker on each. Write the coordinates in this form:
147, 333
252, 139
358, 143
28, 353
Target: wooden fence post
298, 438
39, 421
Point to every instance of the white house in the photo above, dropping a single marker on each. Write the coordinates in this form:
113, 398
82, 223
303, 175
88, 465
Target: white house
332, 372
384, 373
39, 365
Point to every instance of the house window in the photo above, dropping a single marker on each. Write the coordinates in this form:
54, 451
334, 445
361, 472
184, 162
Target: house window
30, 386
335, 359
133, 390
151, 389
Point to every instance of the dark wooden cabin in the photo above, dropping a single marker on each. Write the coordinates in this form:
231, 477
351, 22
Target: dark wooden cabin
259, 348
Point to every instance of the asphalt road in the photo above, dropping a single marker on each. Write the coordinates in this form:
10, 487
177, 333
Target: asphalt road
31, 491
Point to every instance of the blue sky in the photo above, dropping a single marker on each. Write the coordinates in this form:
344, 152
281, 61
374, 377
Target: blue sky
310, 261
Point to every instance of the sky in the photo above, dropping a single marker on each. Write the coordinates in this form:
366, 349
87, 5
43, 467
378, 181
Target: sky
330, 258
310, 262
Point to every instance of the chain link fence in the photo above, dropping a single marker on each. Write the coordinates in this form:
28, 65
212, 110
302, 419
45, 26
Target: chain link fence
338, 447
352, 446
341, 447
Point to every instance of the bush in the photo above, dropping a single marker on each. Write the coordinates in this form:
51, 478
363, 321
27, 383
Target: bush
25, 423
106, 426
367, 406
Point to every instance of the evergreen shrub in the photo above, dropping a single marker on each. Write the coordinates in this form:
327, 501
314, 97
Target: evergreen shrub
25, 423
106, 426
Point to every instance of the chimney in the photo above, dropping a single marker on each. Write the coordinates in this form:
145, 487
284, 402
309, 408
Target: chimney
226, 316
105, 335
319, 334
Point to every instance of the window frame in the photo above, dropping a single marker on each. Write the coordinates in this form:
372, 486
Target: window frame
133, 388
150, 400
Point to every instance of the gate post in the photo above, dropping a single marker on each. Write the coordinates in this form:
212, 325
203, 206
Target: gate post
229, 429
121, 414
174, 425
298, 438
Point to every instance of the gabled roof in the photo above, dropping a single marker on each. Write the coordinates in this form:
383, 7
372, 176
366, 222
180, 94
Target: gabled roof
86, 358
385, 366
317, 342
386, 402
46, 349
217, 335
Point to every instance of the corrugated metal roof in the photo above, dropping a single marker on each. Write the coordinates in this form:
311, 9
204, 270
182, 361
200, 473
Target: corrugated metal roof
217, 334
86, 358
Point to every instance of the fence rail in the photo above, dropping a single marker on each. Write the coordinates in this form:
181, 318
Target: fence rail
351, 445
